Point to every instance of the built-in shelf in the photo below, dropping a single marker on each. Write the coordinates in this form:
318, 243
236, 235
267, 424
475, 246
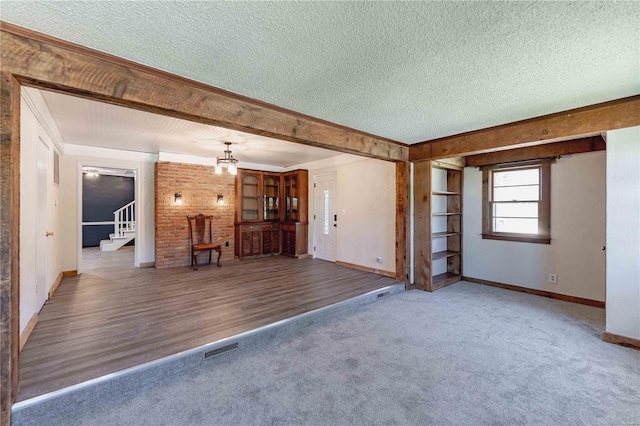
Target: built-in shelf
446, 225
444, 254
444, 234
441, 279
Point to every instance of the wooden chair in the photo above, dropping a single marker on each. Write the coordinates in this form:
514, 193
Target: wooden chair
200, 244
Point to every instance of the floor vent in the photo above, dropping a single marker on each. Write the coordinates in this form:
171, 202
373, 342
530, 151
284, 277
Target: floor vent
221, 350
386, 293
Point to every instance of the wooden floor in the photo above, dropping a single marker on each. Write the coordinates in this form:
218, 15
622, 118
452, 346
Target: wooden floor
111, 318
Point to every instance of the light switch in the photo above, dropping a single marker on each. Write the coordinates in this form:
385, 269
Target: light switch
344, 212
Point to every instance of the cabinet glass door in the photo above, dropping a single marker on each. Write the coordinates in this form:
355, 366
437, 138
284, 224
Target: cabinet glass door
250, 197
271, 198
291, 198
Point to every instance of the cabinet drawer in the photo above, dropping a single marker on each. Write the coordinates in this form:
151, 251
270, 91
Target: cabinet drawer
288, 227
271, 227
250, 228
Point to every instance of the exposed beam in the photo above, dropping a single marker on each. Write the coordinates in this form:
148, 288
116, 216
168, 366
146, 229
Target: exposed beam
9, 242
586, 121
556, 149
46, 62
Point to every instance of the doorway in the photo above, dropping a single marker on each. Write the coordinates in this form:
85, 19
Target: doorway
108, 225
326, 223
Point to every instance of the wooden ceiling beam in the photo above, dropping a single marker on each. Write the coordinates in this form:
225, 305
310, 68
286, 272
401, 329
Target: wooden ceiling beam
587, 121
46, 62
556, 149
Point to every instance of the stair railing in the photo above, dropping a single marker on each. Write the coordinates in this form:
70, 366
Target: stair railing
124, 219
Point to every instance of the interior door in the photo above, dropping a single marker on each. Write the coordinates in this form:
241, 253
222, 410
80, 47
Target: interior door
42, 225
326, 218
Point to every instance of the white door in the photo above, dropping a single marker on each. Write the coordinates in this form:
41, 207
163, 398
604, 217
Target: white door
326, 217
42, 225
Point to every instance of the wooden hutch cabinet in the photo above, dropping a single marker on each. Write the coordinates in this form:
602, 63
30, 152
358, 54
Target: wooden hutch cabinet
271, 213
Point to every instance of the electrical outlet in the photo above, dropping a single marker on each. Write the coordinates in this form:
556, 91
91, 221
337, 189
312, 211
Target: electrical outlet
226, 244
553, 278
379, 259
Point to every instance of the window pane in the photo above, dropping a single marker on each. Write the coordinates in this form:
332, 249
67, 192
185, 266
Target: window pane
524, 226
529, 210
517, 193
325, 197
517, 177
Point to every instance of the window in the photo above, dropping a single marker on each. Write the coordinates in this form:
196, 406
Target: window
516, 202
56, 167
325, 223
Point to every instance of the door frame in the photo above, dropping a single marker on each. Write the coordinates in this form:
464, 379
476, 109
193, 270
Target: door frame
139, 219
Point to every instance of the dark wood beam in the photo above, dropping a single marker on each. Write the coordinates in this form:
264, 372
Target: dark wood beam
9, 242
422, 225
556, 149
587, 121
402, 221
46, 62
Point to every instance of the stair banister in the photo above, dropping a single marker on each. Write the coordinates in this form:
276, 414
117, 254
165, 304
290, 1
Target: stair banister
123, 219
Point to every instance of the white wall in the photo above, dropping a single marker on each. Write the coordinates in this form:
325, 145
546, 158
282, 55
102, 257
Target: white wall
577, 234
35, 126
623, 232
74, 157
367, 193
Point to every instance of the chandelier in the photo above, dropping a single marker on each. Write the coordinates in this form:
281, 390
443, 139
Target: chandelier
228, 161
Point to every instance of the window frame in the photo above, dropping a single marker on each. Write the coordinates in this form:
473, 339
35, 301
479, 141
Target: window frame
544, 202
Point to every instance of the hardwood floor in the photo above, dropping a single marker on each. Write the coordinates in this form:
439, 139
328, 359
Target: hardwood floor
115, 316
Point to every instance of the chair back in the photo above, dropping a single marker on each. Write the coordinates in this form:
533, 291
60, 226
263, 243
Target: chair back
200, 221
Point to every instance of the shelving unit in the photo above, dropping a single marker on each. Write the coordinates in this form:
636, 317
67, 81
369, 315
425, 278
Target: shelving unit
250, 196
271, 197
271, 213
446, 225
438, 223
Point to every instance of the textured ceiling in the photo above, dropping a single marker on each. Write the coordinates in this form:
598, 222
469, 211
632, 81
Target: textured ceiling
91, 123
409, 71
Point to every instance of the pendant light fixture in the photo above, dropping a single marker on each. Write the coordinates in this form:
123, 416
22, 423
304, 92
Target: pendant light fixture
228, 161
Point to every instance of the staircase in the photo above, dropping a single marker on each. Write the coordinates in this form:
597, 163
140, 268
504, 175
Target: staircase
124, 228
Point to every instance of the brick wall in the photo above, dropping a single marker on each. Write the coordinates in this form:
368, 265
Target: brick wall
199, 186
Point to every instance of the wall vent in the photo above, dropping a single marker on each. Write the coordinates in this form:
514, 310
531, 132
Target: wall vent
221, 350
386, 293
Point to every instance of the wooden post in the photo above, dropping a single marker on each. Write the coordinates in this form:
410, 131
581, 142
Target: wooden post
422, 224
402, 223
9, 242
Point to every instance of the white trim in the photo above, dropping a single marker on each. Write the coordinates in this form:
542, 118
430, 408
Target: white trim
211, 162
99, 223
111, 154
337, 160
38, 107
